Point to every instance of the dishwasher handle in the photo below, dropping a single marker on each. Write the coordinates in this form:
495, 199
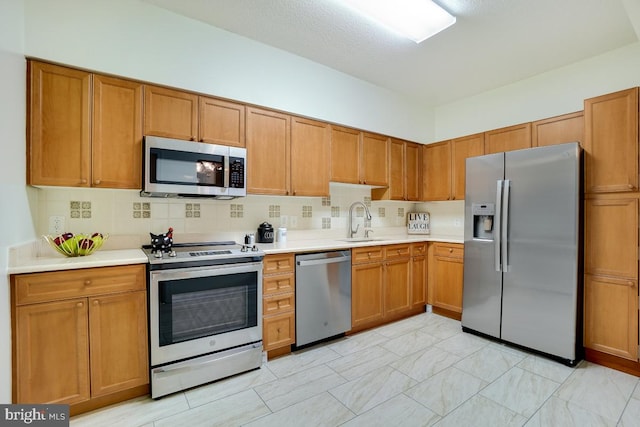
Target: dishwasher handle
323, 261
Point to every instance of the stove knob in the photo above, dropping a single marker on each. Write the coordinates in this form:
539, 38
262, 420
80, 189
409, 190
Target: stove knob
254, 248
158, 254
173, 254
244, 248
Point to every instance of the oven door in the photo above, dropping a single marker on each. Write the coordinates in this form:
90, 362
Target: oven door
201, 310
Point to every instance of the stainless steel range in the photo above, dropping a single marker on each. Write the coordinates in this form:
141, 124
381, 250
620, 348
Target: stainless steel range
205, 313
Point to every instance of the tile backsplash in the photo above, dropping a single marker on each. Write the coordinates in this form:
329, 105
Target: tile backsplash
124, 212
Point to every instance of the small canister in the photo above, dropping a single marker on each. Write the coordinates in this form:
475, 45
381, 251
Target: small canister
249, 239
281, 235
265, 233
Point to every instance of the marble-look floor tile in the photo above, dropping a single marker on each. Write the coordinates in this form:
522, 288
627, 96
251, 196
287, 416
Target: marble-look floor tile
558, 412
441, 329
395, 329
219, 389
482, 412
636, 392
301, 360
321, 410
411, 342
446, 390
424, 364
134, 412
358, 342
462, 345
555, 371
488, 363
598, 389
520, 391
234, 410
631, 414
362, 362
298, 387
397, 411
370, 390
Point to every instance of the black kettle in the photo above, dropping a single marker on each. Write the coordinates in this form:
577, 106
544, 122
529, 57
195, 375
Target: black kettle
265, 233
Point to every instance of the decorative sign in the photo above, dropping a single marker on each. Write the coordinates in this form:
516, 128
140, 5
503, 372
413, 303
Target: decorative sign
418, 223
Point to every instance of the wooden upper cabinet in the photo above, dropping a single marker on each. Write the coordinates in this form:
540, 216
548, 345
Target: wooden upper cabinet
558, 130
461, 149
508, 138
345, 155
375, 159
611, 142
59, 125
268, 152
404, 172
436, 172
116, 142
397, 169
310, 152
170, 113
221, 122
413, 171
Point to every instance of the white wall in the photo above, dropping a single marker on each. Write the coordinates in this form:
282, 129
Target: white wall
15, 219
134, 39
549, 94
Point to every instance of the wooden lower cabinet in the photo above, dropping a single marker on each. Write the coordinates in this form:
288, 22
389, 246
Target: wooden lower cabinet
278, 304
611, 316
418, 275
446, 281
366, 293
80, 336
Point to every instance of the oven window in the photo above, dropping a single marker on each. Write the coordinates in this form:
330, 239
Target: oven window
182, 168
205, 306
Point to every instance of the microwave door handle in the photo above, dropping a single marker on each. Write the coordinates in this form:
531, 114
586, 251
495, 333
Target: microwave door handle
227, 171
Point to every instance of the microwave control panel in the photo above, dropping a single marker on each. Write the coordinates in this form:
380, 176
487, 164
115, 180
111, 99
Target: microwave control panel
236, 172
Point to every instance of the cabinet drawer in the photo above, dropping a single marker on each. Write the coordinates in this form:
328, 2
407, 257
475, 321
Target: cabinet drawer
58, 285
280, 303
277, 284
281, 263
278, 331
397, 251
366, 254
449, 251
418, 249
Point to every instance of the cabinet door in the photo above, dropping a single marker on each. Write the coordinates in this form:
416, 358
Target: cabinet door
310, 151
116, 149
611, 237
278, 330
418, 281
366, 294
413, 167
558, 130
397, 286
118, 333
507, 139
436, 172
268, 152
345, 155
221, 122
397, 170
170, 113
375, 159
59, 126
52, 353
611, 316
611, 142
448, 284
461, 149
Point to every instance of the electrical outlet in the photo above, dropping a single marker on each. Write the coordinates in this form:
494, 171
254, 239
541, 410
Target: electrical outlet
293, 221
284, 221
56, 224
457, 222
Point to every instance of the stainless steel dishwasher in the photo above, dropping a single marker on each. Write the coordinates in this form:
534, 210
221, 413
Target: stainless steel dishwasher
323, 295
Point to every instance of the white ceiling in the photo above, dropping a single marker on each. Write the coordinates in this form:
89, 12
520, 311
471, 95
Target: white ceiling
493, 43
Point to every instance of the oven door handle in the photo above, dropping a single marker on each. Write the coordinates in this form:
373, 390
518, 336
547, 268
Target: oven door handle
323, 261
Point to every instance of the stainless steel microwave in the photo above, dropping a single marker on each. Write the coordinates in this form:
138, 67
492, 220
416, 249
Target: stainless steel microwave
176, 168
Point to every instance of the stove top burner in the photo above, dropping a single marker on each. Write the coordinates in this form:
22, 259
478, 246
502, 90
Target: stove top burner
203, 254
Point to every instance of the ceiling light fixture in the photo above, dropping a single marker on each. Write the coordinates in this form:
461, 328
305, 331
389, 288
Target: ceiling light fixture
414, 19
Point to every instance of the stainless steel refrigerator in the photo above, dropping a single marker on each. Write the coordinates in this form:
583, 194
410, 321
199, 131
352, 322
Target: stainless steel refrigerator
522, 249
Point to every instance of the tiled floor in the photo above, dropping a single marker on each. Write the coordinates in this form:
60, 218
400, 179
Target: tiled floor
417, 372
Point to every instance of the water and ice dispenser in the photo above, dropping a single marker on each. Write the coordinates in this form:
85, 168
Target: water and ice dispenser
483, 215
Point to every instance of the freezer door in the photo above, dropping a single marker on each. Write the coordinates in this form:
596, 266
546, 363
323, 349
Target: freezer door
539, 300
482, 277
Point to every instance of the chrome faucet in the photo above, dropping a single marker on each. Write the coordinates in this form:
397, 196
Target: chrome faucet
367, 215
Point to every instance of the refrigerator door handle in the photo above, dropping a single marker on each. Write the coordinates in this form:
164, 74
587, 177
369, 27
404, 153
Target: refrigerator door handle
505, 226
498, 219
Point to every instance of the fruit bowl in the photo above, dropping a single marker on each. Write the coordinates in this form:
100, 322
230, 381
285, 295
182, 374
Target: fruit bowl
70, 245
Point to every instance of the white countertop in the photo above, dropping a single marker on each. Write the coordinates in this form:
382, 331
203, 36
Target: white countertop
28, 259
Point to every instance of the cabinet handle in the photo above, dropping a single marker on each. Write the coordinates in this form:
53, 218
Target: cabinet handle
79, 305
96, 302
453, 198
450, 250
97, 182
87, 282
193, 138
83, 181
630, 186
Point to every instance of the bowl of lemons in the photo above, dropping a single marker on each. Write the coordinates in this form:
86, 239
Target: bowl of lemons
71, 245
